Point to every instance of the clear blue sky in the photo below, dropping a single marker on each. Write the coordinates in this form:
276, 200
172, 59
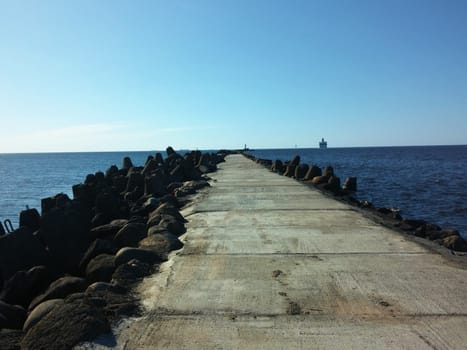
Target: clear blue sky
95, 75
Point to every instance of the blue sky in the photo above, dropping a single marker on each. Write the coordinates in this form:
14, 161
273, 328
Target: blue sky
140, 75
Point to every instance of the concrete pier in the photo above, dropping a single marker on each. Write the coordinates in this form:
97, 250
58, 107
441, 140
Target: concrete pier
271, 264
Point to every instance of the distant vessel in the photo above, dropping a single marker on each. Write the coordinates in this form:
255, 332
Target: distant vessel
323, 144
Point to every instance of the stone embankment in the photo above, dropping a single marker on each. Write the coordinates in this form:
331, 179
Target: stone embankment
66, 274
328, 182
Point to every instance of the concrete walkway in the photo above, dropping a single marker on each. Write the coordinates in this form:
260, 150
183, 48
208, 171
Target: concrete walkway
272, 264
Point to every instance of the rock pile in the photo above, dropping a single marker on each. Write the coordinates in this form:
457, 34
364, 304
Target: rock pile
65, 273
327, 181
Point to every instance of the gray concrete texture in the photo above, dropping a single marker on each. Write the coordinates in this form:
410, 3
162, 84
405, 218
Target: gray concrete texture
272, 264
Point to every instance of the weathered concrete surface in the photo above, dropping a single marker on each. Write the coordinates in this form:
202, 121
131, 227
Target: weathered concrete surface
271, 264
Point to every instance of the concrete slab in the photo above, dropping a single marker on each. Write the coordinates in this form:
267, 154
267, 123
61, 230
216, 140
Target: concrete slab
271, 264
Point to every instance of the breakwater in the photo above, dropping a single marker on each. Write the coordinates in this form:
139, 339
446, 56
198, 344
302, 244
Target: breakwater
66, 273
326, 180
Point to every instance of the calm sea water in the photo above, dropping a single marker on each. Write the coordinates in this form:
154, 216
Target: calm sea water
424, 182
26, 178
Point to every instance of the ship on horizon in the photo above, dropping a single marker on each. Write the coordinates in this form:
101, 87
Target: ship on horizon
323, 144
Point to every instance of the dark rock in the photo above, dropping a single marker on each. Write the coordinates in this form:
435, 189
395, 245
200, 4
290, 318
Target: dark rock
313, 172
30, 218
319, 180
59, 289
23, 286
65, 326
168, 209
159, 159
130, 235
350, 184
390, 213
300, 171
39, 312
119, 184
149, 167
124, 255
104, 287
127, 163
290, 170
11, 316
278, 167
108, 203
170, 151
410, 224
135, 181
131, 272
165, 222
101, 268
455, 243
107, 231
162, 243
60, 200
111, 171
10, 339
21, 250
66, 234
334, 184
98, 247
328, 171
156, 184
295, 161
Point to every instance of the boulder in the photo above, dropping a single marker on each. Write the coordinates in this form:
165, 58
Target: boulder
350, 184
295, 161
127, 163
277, 167
10, 339
319, 180
59, 289
156, 184
108, 202
159, 159
328, 171
162, 243
23, 286
151, 204
166, 223
150, 166
168, 209
334, 184
107, 231
30, 218
312, 172
135, 180
111, 171
101, 268
290, 170
65, 326
300, 171
104, 287
65, 231
21, 250
39, 312
456, 243
11, 316
60, 200
124, 255
131, 272
130, 235
99, 246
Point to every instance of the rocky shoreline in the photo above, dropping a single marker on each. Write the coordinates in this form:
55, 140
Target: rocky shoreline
67, 274
329, 183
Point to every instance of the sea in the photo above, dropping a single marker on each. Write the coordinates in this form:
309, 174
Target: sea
423, 182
